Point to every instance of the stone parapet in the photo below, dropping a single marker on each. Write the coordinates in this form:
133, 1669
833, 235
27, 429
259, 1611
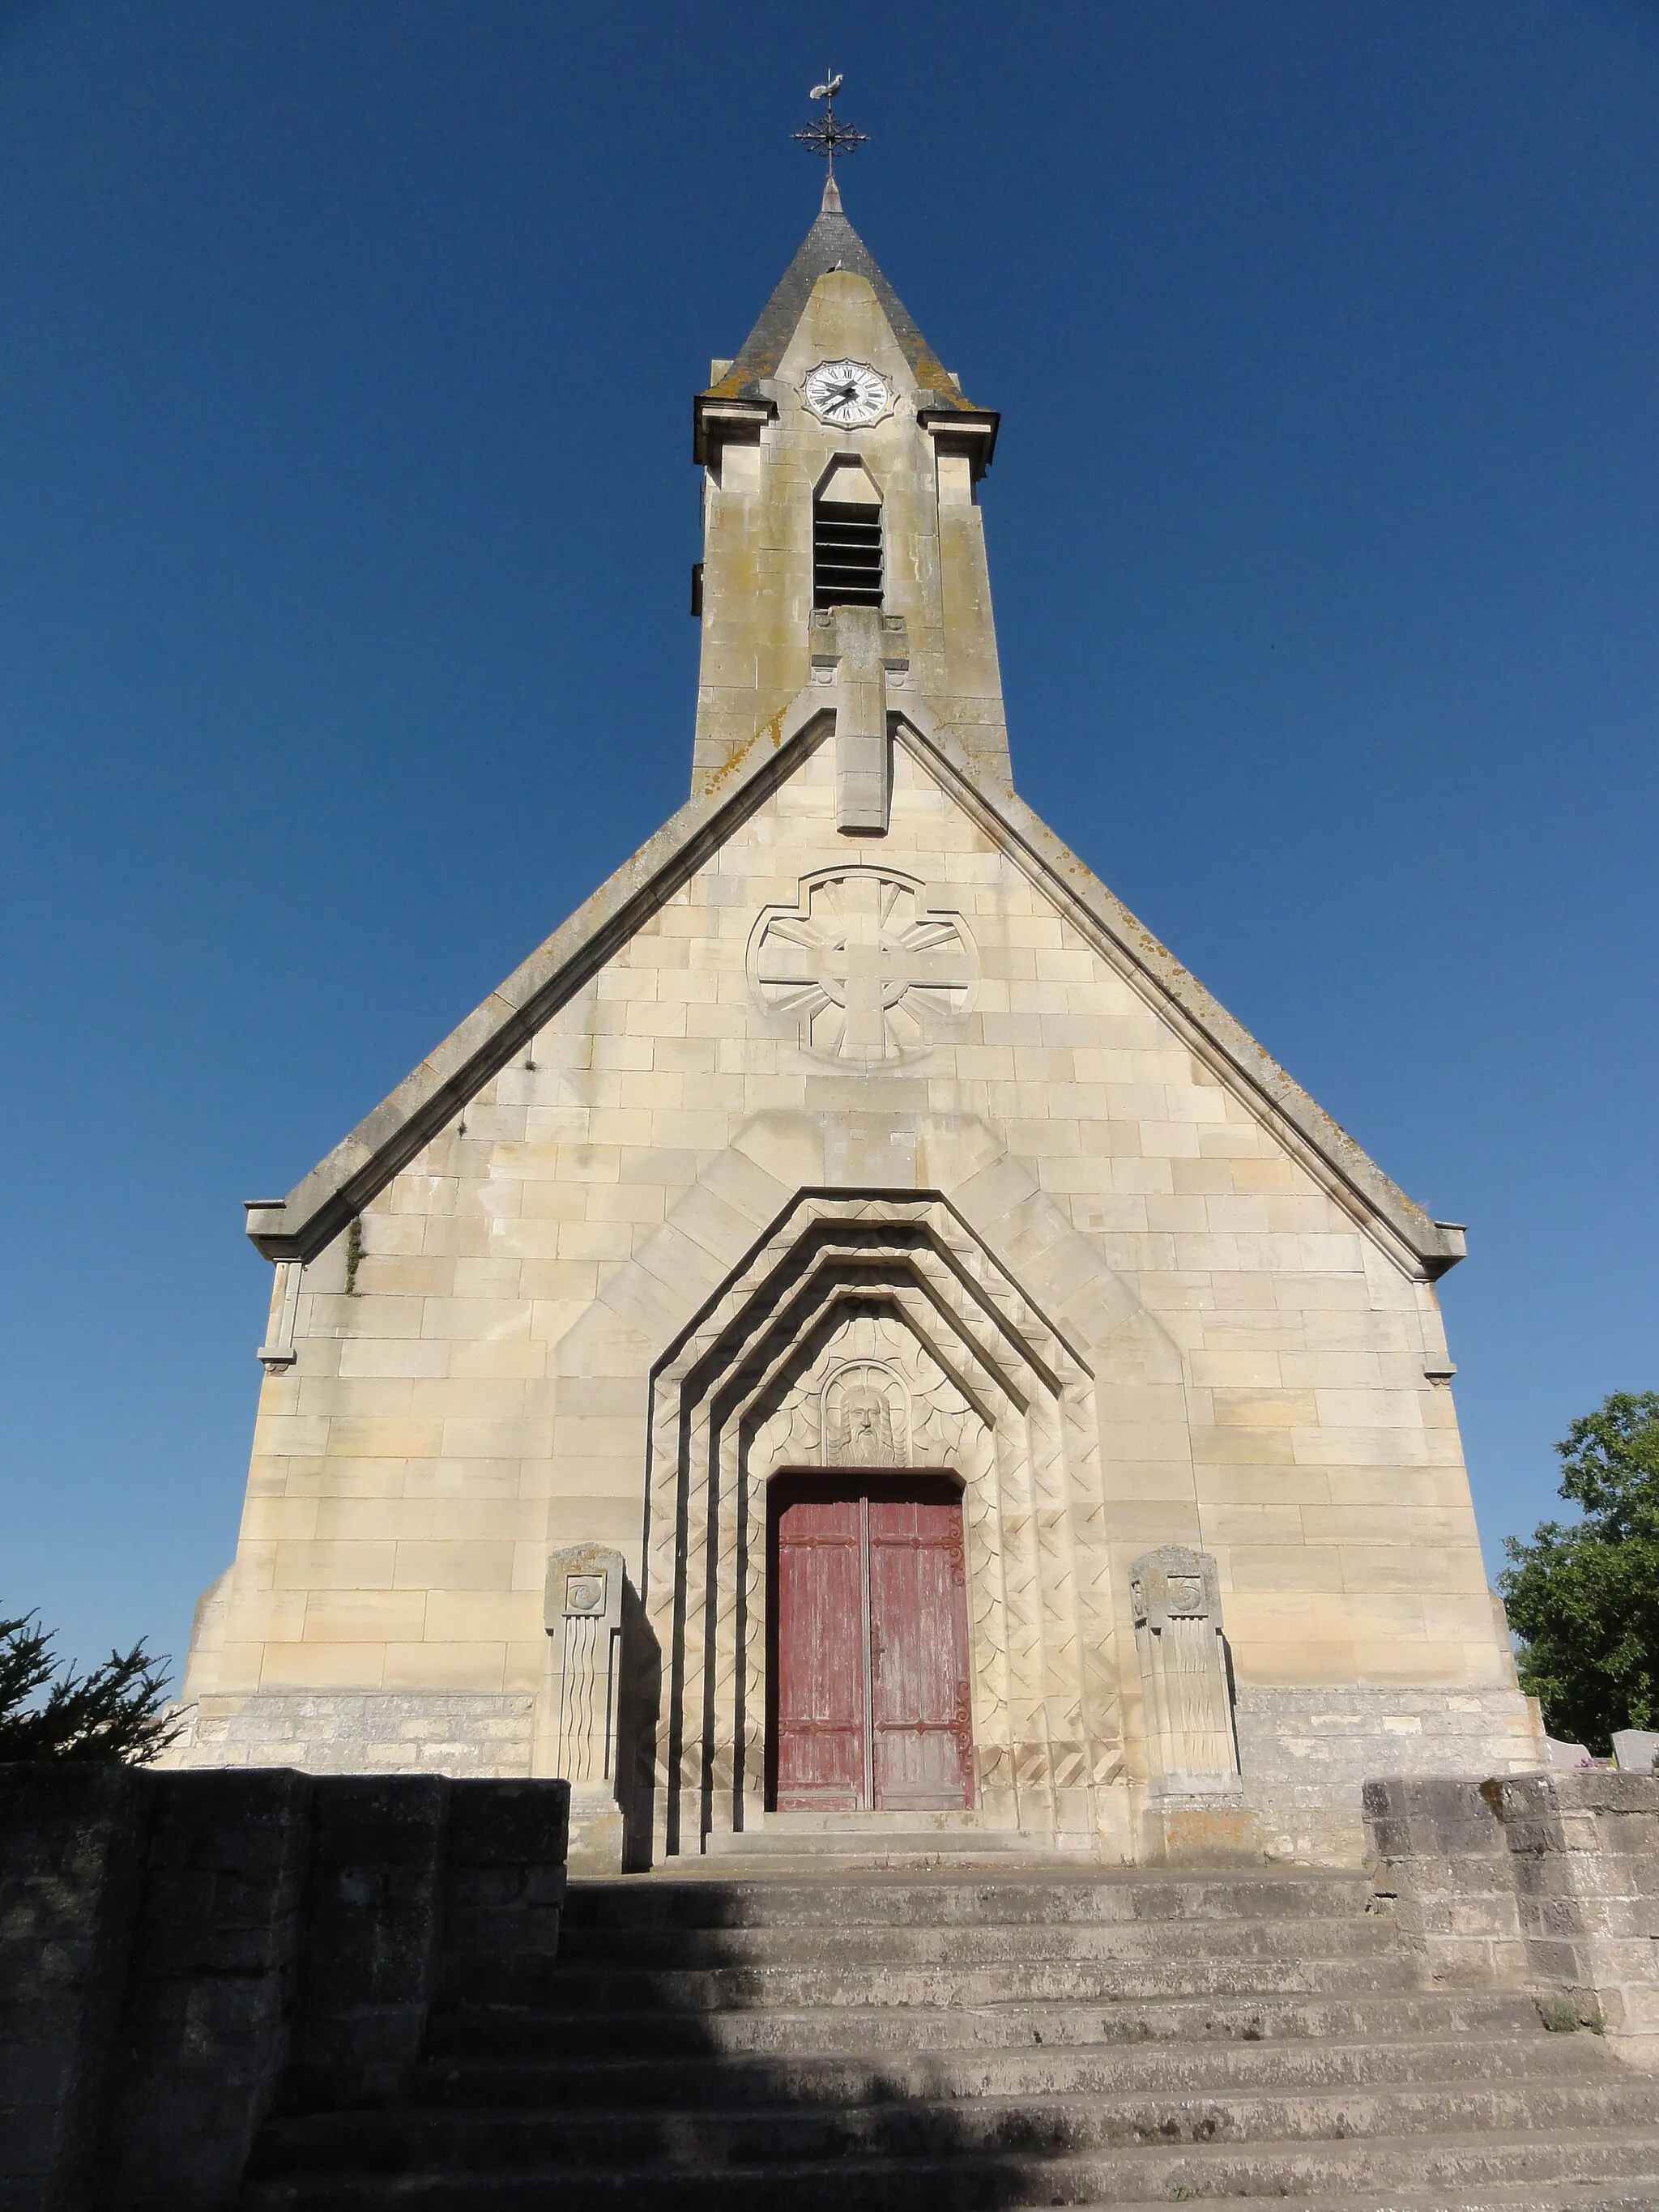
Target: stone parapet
182, 1954
1548, 1881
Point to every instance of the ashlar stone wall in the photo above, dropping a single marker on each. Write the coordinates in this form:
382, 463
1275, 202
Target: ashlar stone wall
471, 1380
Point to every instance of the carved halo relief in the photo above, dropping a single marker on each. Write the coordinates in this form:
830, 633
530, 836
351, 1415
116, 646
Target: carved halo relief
868, 974
871, 1390
866, 1420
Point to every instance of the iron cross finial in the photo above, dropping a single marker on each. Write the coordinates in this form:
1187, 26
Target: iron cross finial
827, 134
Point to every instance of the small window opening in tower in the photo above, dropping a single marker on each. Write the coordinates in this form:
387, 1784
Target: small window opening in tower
847, 539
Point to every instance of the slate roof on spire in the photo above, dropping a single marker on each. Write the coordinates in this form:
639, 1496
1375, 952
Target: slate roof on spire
832, 243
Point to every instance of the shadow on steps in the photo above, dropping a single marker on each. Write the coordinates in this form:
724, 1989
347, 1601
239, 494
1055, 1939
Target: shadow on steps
978, 2042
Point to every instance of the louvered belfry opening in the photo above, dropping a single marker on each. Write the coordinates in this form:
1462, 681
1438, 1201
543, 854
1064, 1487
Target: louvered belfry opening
847, 540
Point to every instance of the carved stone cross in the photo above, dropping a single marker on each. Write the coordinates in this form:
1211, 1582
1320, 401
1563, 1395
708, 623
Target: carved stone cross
868, 974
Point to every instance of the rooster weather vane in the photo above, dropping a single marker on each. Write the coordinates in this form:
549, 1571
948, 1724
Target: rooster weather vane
827, 134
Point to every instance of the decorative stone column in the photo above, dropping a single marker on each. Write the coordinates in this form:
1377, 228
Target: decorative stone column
1196, 1793
576, 1734
1183, 1672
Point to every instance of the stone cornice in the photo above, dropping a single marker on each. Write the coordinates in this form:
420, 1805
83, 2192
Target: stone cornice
318, 1207
714, 421
969, 431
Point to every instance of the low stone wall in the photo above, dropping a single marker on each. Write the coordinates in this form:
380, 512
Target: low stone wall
181, 1952
1547, 1881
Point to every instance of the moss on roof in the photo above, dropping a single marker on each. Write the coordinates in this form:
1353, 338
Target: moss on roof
831, 243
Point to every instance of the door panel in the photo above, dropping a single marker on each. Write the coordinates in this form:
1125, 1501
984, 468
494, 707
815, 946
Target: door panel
922, 1723
869, 1644
822, 1697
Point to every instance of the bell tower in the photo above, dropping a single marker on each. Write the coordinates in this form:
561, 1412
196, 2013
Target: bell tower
843, 541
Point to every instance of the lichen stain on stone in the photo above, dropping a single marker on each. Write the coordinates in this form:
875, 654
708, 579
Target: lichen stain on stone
768, 734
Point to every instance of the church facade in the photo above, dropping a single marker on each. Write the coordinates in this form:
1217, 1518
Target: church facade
850, 1331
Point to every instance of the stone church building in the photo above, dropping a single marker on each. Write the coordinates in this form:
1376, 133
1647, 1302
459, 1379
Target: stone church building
850, 1335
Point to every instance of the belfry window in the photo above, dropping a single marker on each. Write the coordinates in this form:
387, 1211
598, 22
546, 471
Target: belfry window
847, 566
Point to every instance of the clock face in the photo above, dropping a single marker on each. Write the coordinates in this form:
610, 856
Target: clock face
847, 393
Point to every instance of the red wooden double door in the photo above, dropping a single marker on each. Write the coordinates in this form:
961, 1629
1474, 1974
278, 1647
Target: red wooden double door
868, 1625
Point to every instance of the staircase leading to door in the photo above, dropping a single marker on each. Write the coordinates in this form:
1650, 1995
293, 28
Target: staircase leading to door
985, 2039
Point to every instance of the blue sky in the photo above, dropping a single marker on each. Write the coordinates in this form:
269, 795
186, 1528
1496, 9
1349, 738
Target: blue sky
346, 510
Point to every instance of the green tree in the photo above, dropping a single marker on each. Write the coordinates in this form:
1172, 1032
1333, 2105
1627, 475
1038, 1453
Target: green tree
1584, 1596
116, 1711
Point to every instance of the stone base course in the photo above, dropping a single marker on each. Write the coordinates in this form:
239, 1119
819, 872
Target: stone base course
1304, 1753
463, 1734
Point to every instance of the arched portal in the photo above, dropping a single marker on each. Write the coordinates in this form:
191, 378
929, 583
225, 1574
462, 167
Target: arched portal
866, 1332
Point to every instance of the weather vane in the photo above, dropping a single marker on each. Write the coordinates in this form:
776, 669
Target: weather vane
827, 134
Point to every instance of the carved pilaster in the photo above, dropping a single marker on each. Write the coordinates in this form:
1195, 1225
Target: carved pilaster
1183, 1673
859, 651
582, 1611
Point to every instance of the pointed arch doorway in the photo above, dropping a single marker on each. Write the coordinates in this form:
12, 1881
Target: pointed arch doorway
869, 1708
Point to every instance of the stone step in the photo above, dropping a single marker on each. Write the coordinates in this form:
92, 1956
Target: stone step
513, 2139
867, 1841
510, 2033
591, 1989
1439, 2170
1050, 2069
871, 1945
966, 2039
819, 1900
903, 1820
1563, 2197
903, 1858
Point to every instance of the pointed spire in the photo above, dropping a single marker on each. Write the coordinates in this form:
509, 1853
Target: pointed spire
832, 243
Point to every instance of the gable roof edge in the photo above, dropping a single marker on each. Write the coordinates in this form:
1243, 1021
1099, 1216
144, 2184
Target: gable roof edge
360, 1165
322, 1203
1434, 1246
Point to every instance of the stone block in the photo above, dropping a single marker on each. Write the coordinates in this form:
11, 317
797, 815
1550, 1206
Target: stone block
505, 1894
373, 1925
211, 1986
1567, 1858
1175, 1834
72, 1838
1636, 1750
179, 1952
